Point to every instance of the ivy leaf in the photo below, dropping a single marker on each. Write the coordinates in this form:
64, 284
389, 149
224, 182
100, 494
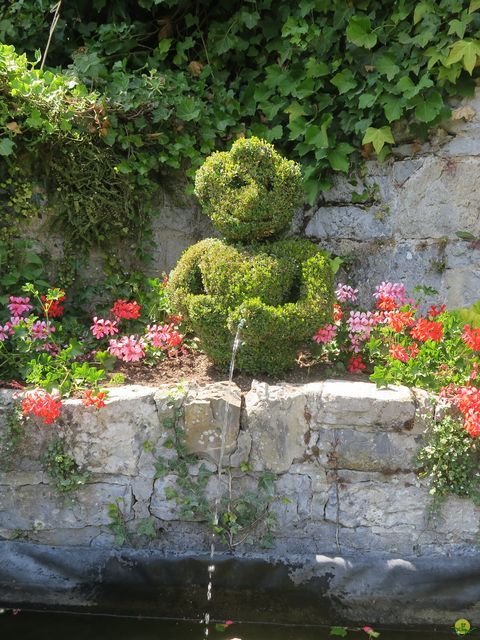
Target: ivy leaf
317, 136
187, 109
316, 68
428, 107
359, 31
474, 5
393, 108
421, 10
338, 157
466, 51
378, 137
458, 27
386, 66
367, 100
338, 631
6, 146
35, 119
406, 86
344, 81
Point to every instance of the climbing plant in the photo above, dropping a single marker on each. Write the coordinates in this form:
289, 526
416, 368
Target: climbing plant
325, 81
100, 99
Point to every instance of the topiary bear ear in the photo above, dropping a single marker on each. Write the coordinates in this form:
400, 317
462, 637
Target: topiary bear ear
249, 192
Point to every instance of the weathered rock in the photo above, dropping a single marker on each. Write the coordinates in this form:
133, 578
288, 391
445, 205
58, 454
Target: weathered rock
356, 223
204, 413
38, 507
363, 450
370, 500
211, 414
439, 199
275, 418
360, 404
242, 452
111, 440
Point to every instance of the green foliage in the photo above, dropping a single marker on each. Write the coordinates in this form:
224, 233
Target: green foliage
147, 527
449, 459
249, 192
56, 159
282, 290
118, 524
236, 519
20, 263
469, 315
12, 436
180, 79
62, 470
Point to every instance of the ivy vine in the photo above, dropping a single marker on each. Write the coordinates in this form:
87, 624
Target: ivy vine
322, 80
130, 91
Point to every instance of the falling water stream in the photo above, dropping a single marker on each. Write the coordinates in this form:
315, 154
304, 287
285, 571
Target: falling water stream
211, 566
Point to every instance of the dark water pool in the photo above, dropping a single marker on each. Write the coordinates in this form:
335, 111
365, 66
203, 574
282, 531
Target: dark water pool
54, 626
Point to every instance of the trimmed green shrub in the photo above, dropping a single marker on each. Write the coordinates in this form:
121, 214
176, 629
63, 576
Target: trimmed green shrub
249, 192
282, 290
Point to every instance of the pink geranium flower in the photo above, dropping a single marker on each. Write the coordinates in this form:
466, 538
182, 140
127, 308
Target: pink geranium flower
19, 306
101, 328
5, 332
346, 293
41, 330
163, 336
391, 290
325, 334
127, 348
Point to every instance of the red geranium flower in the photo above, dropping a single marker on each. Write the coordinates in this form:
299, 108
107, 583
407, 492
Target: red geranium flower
337, 312
92, 399
42, 404
427, 330
356, 364
435, 310
471, 337
53, 308
386, 303
398, 352
399, 320
126, 310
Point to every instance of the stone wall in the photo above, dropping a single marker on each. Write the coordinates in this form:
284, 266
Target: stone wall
343, 455
416, 202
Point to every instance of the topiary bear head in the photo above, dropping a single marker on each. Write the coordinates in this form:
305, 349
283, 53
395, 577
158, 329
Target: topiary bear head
250, 192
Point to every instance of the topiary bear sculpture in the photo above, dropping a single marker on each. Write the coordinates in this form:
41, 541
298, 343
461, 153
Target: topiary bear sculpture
281, 288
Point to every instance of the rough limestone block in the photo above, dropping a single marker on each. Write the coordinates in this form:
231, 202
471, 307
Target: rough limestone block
440, 199
242, 452
372, 500
355, 223
275, 418
209, 411
295, 500
203, 414
458, 521
364, 450
32, 507
111, 440
361, 405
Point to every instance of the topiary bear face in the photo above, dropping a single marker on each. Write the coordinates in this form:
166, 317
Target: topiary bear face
249, 192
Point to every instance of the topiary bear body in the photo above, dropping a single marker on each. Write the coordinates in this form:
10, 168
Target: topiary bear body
282, 289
